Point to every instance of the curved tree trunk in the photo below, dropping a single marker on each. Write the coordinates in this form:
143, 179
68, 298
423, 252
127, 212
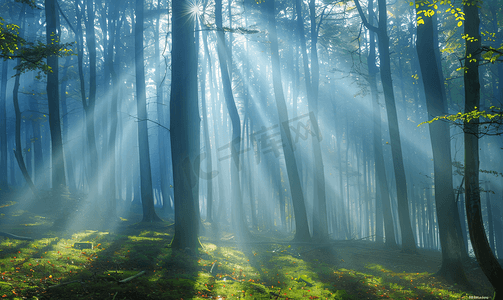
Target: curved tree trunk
235, 144
58, 163
301, 225
480, 244
450, 242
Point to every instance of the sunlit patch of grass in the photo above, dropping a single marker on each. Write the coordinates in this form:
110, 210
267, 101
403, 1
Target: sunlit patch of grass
39, 268
209, 247
142, 239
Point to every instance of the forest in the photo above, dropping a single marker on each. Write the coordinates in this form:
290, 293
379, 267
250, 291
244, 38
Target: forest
251, 149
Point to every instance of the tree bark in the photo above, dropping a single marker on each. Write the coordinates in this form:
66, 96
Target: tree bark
408, 242
161, 132
90, 104
320, 227
383, 205
147, 198
480, 244
112, 207
183, 92
235, 144
18, 152
301, 224
436, 104
58, 163
3, 128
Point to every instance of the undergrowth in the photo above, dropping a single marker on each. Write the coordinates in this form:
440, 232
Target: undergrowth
133, 261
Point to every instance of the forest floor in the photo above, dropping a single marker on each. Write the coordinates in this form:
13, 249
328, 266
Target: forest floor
132, 260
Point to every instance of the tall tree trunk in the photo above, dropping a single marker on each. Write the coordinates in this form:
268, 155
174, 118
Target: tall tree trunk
3, 127
485, 256
183, 93
91, 103
320, 227
147, 197
70, 172
112, 207
301, 224
209, 164
383, 205
161, 133
206, 136
18, 152
408, 242
450, 242
235, 144
58, 163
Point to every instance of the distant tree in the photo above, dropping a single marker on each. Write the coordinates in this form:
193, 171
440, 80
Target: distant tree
114, 35
312, 81
147, 197
90, 103
383, 205
161, 134
300, 215
408, 242
183, 94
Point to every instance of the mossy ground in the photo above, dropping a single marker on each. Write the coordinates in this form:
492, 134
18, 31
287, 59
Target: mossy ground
51, 268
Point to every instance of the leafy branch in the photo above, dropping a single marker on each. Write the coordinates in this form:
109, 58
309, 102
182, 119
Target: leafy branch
490, 121
32, 54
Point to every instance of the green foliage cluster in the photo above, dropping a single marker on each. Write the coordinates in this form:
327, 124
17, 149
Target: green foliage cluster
32, 54
428, 9
491, 120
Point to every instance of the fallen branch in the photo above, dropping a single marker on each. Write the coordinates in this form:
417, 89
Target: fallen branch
16, 237
64, 283
132, 277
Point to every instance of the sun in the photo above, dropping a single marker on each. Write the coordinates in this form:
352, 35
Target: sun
195, 8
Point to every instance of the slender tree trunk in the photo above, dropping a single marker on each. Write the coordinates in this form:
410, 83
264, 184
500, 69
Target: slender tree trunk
91, 102
408, 243
301, 224
18, 152
235, 144
485, 256
161, 132
58, 163
450, 242
113, 111
3, 128
383, 205
147, 198
206, 136
320, 227
70, 172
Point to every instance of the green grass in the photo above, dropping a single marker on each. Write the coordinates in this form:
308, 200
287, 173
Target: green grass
40, 269
51, 268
